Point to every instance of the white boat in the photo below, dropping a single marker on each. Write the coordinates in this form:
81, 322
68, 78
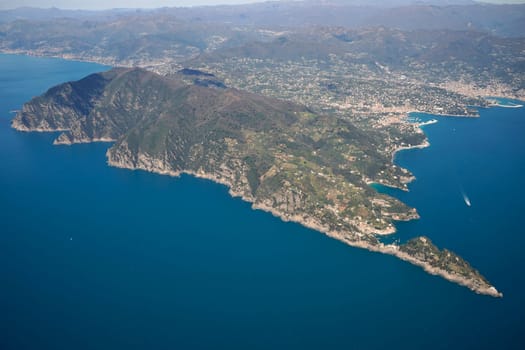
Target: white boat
467, 200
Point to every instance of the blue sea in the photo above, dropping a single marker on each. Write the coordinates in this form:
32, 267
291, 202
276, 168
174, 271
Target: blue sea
94, 257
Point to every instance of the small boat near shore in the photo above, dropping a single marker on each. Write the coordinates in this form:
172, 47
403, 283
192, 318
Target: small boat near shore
429, 122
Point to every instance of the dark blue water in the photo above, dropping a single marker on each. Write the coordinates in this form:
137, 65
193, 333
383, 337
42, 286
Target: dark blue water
93, 257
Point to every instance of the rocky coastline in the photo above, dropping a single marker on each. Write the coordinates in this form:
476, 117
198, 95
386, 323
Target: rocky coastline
269, 164
350, 238
477, 285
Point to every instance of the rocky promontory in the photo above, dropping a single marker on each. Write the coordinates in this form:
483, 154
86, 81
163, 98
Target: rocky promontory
280, 156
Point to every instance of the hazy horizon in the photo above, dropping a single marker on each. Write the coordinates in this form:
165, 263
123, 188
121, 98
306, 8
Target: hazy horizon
103, 5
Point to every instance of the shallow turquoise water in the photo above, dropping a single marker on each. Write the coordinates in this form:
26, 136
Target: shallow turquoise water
93, 257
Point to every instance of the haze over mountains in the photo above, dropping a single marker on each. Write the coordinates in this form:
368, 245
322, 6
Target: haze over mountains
505, 20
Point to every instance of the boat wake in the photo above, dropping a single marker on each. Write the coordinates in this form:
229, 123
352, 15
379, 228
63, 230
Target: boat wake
466, 199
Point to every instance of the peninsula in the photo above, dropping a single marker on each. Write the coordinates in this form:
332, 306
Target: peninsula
283, 157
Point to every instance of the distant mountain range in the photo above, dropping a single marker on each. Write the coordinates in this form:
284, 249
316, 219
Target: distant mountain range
501, 20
